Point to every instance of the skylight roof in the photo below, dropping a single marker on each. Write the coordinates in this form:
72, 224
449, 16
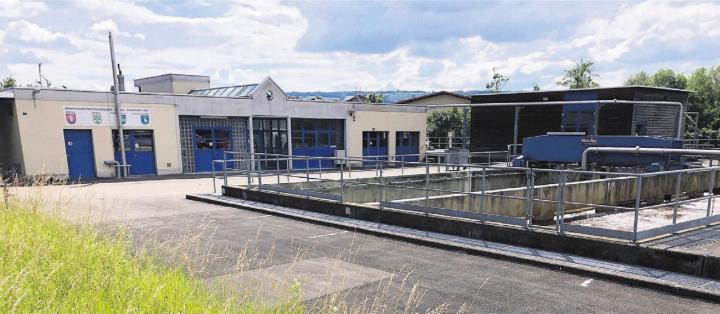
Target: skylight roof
227, 91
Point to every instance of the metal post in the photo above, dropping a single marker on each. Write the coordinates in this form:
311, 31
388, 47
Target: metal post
710, 192
116, 93
225, 176
213, 176
289, 164
515, 129
530, 191
307, 169
402, 165
678, 182
342, 184
465, 127
482, 192
427, 184
561, 202
249, 169
277, 167
259, 171
638, 188
380, 195
320, 167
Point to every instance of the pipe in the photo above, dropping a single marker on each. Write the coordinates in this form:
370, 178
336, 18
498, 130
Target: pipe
637, 150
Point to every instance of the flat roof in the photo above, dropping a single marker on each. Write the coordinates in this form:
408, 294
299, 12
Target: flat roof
433, 95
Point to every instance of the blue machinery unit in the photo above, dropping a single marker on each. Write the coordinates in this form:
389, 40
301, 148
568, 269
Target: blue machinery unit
565, 148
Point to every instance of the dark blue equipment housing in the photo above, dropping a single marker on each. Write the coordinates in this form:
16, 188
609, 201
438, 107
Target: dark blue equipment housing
563, 148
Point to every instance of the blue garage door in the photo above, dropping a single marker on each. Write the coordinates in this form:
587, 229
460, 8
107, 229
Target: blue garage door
210, 144
407, 143
375, 147
317, 138
139, 151
80, 157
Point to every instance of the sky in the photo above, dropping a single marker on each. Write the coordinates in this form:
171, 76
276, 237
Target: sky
354, 45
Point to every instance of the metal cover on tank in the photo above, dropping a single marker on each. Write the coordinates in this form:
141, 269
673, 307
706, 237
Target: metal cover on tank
559, 147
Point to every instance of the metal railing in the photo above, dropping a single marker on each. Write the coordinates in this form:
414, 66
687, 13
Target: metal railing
551, 195
446, 142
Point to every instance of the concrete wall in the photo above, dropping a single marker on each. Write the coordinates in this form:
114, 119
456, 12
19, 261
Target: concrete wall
10, 146
611, 192
41, 124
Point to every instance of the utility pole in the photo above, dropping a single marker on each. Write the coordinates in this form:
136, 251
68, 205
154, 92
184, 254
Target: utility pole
121, 134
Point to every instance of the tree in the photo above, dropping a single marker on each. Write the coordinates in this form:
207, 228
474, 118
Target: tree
582, 75
497, 82
535, 87
8, 82
641, 78
375, 98
668, 78
706, 99
442, 122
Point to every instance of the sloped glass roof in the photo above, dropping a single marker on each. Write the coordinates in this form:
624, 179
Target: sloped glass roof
227, 91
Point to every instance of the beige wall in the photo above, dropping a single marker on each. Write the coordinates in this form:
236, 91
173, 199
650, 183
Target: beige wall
383, 121
41, 125
443, 99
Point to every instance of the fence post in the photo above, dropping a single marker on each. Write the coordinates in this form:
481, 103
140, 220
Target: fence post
710, 192
342, 184
380, 195
530, 190
678, 182
307, 169
561, 202
320, 167
482, 192
277, 168
225, 180
259, 172
287, 167
213, 176
402, 165
249, 169
638, 188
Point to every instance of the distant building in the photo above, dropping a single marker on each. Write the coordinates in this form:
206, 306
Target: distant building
437, 98
177, 123
357, 98
497, 124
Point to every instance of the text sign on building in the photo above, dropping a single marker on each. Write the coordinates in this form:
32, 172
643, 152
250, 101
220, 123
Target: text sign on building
106, 116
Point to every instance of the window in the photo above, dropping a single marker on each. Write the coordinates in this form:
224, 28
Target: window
578, 118
318, 133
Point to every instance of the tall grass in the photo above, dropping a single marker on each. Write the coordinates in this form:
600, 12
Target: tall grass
48, 265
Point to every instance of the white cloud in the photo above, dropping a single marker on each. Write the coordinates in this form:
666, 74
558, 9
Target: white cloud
109, 25
20, 9
251, 40
30, 32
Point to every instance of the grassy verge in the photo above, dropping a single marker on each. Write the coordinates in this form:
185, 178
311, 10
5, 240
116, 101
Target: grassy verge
48, 265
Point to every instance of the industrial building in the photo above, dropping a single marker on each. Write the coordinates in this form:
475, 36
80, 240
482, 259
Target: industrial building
177, 123
501, 119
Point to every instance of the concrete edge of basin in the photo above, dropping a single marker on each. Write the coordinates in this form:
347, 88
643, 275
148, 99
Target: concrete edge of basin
582, 270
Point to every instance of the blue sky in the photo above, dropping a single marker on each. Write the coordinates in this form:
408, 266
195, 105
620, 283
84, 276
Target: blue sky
346, 45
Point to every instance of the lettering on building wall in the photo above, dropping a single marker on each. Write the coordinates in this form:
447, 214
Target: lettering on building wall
106, 116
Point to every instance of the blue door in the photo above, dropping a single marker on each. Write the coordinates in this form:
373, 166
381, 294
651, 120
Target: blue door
375, 147
407, 143
210, 144
139, 151
80, 156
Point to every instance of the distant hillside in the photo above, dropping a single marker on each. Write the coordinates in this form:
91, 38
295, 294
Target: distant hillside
388, 96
